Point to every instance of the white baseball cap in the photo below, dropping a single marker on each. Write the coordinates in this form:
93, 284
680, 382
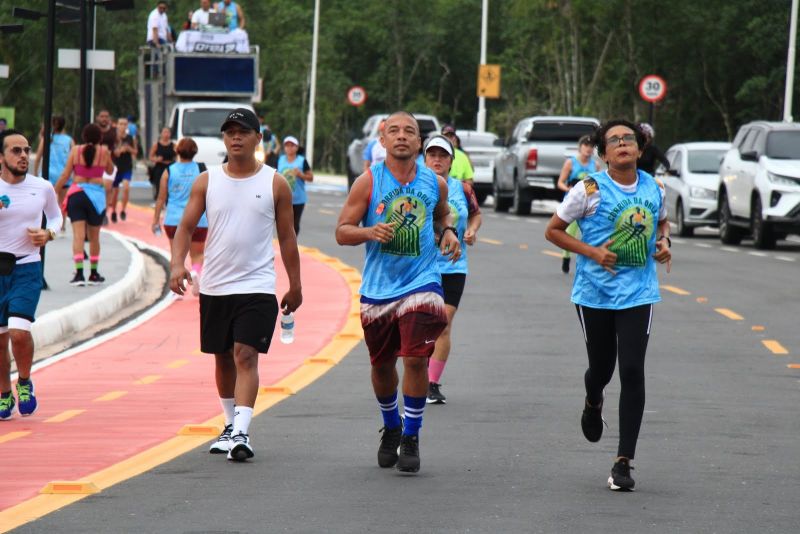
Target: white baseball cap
291, 139
441, 142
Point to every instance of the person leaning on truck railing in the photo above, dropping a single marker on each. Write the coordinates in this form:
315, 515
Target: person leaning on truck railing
233, 12
158, 32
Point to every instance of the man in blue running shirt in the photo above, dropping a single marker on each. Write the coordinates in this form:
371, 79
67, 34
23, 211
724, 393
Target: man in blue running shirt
399, 210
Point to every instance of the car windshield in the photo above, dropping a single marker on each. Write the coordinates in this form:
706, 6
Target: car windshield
705, 161
560, 131
478, 139
204, 122
784, 145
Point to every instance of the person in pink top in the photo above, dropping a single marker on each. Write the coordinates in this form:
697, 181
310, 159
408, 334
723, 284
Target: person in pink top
85, 201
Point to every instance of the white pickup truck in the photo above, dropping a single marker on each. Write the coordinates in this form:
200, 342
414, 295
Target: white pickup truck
201, 121
528, 167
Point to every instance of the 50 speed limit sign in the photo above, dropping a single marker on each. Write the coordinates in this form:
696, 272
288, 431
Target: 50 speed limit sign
356, 95
652, 88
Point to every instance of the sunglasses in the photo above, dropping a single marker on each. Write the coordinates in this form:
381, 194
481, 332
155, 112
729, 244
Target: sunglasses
18, 150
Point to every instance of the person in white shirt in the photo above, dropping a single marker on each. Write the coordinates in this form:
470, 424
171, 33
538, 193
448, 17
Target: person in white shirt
245, 202
158, 26
200, 16
23, 199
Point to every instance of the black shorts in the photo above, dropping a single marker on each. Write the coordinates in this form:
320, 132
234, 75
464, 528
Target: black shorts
453, 287
248, 319
80, 208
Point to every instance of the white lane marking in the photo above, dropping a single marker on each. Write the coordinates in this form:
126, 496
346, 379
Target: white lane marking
534, 221
793, 238
679, 241
729, 249
493, 215
511, 218
702, 245
759, 254
784, 258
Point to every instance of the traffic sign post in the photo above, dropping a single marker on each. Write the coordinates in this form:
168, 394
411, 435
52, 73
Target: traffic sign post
652, 89
489, 81
356, 96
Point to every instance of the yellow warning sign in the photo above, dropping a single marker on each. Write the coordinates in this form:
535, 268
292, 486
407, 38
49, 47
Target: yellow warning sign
489, 81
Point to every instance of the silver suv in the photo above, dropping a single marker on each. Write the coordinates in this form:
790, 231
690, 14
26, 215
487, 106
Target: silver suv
759, 186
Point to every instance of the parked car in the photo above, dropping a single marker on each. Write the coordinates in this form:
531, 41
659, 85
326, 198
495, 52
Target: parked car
759, 184
355, 152
691, 184
528, 166
201, 121
481, 148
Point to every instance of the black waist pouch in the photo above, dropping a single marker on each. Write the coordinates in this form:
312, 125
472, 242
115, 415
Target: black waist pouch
7, 263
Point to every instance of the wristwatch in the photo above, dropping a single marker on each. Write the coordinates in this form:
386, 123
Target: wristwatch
669, 241
452, 229
51, 235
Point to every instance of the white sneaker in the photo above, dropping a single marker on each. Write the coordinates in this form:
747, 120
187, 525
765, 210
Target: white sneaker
240, 448
223, 443
195, 283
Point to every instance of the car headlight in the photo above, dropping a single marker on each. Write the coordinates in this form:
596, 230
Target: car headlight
783, 180
702, 192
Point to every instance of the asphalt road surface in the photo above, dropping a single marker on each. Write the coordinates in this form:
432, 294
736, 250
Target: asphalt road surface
718, 450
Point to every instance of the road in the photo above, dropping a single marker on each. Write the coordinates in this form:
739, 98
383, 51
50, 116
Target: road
717, 453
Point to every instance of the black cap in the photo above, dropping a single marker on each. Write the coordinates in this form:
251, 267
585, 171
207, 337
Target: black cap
243, 117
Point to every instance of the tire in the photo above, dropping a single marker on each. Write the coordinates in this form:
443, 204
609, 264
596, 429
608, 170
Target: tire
728, 234
501, 204
763, 235
683, 229
481, 196
521, 204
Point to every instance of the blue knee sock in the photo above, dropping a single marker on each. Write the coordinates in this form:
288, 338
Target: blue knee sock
389, 411
414, 406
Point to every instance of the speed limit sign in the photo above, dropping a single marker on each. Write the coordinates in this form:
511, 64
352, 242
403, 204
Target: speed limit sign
356, 95
652, 88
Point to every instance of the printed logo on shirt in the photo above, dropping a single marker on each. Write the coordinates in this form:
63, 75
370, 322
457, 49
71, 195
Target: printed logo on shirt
633, 229
454, 213
407, 213
590, 185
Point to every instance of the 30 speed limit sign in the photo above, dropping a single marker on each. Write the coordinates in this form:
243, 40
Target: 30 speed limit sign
652, 88
356, 95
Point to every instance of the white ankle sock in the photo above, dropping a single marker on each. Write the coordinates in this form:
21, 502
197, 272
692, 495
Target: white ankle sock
228, 408
241, 422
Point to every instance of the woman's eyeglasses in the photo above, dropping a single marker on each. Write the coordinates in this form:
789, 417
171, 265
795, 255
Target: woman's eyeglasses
615, 140
18, 150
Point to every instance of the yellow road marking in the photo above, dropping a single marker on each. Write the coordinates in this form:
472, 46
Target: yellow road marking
793, 366
730, 314
757, 328
702, 300
551, 253
489, 241
70, 487
111, 395
676, 290
523, 246
774, 346
326, 212
64, 416
177, 363
149, 379
5, 438
341, 345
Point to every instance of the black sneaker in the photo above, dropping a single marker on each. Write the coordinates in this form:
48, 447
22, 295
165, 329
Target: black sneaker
78, 279
96, 278
113, 216
390, 441
240, 449
620, 479
408, 460
592, 421
565, 265
123, 216
435, 395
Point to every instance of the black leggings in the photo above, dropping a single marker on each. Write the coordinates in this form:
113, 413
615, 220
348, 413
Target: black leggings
623, 335
298, 213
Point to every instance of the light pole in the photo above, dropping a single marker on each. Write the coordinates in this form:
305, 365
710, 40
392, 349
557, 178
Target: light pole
313, 93
481, 99
787, 98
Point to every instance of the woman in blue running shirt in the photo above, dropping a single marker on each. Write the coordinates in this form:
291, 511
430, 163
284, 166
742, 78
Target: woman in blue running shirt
60, 146
466, 214
625, 231
176, 186
575, 169
296, 170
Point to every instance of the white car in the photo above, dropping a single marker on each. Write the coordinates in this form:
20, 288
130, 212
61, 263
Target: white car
201, 121
482, 148
691, 184
759, 187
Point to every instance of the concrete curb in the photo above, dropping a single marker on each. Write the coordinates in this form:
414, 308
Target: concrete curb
64, 322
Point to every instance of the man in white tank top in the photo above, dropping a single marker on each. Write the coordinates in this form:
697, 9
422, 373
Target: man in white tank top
244, 201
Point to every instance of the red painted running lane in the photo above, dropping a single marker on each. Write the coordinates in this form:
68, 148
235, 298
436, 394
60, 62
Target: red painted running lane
167, 383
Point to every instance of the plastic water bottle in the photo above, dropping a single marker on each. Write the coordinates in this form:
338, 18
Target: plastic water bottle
287, 328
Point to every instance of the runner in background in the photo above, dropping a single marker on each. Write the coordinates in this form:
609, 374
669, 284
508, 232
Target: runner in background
466, 215
575, 169
297, 171
60, 146
124, 154
161, 155
375, 152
